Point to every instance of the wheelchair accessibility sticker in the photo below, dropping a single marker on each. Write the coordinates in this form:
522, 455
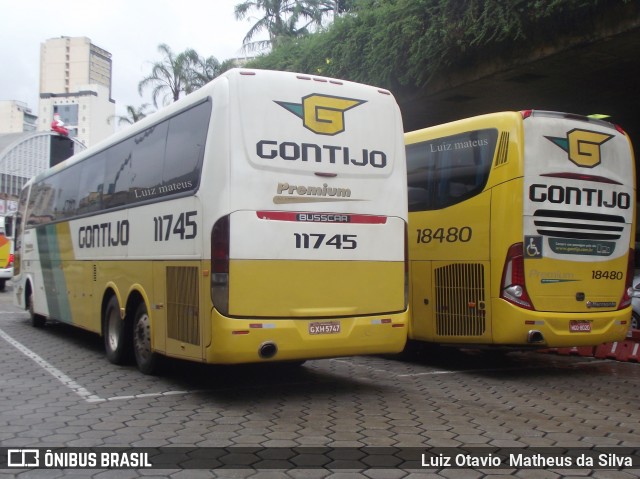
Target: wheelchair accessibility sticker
533, 247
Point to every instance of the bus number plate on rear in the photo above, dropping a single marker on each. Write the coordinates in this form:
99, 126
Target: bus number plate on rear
324, 327
580, 326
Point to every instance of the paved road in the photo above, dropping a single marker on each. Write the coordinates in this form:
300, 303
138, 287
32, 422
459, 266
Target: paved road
57, 389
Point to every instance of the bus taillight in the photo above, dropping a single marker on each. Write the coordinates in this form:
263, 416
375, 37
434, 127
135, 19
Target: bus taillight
514, 289
10, 261
628, 287
220, 265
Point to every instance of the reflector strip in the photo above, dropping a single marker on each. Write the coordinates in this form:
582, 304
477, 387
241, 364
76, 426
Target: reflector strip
583, 177
310, 217
381, 321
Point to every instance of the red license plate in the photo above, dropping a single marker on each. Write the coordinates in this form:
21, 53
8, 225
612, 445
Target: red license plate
324, 327
580, 326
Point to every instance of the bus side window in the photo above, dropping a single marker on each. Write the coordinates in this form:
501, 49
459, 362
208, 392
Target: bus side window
91, 184
185, 148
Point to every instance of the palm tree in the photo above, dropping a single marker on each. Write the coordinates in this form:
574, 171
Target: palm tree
203, 70
282, 19
170, 76
133, 115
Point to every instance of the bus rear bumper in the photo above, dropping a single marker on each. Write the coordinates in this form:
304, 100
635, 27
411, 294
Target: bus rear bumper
515, 326
236, 341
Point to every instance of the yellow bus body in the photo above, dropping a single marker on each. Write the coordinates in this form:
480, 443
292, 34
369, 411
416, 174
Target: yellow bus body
458, 251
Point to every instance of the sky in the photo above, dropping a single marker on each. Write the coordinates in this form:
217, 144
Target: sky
130, 30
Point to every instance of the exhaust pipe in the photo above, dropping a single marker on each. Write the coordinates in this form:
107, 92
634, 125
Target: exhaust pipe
535, 337
267, 350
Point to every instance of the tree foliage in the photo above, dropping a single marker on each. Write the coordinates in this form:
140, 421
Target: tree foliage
281, 19
180, 73
404, 43
133, 115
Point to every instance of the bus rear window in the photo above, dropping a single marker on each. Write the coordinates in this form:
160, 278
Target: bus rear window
448, 170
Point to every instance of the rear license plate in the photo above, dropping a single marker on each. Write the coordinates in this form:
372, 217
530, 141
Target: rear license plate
580, 326
324, 327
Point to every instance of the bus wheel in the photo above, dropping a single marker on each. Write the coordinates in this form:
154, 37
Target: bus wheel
116, 335
37, 320
146, 359
3, 283
635, 320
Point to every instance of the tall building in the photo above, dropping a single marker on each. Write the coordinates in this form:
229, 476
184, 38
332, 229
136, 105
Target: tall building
75, 81
16, 117
24, 155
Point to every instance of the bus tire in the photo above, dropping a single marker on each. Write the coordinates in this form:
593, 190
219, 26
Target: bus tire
3, 284
117, 337
37, 320
146, 360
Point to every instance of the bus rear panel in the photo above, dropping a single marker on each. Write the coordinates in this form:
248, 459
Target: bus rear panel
309, 260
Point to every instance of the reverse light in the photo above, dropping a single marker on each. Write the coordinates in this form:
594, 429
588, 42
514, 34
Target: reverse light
628, 287
220, 265
513, 288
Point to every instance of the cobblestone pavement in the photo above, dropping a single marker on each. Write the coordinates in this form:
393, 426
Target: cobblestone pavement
58, 390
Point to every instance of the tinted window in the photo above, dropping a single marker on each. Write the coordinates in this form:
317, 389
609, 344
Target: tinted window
66, 198
449, 170
162, 161
185, 149
134, 167
91, 183
41, 202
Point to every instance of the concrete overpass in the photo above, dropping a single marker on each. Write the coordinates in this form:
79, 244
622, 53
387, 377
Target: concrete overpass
594, 71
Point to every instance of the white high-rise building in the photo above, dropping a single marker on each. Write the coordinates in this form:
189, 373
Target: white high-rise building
75, 81
16, 117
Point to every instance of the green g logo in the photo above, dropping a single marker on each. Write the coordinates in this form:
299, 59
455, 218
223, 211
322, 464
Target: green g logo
583, 146
322, 114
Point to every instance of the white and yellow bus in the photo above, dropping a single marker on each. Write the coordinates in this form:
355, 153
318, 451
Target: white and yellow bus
521, 230
257, 219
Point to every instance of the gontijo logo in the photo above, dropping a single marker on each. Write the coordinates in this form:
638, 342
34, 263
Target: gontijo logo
583, 146
322, 114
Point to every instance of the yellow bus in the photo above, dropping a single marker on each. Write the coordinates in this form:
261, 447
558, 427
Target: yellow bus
257, 219
6, 250
521, 230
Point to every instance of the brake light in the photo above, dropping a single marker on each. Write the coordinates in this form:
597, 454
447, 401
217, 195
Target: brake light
10, 261
526, 114
619, 128
514, 289
220, 265
628, 287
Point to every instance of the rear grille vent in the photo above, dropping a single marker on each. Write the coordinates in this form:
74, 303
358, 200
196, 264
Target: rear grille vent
460, 300
182, 304
503, 149
578, 225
